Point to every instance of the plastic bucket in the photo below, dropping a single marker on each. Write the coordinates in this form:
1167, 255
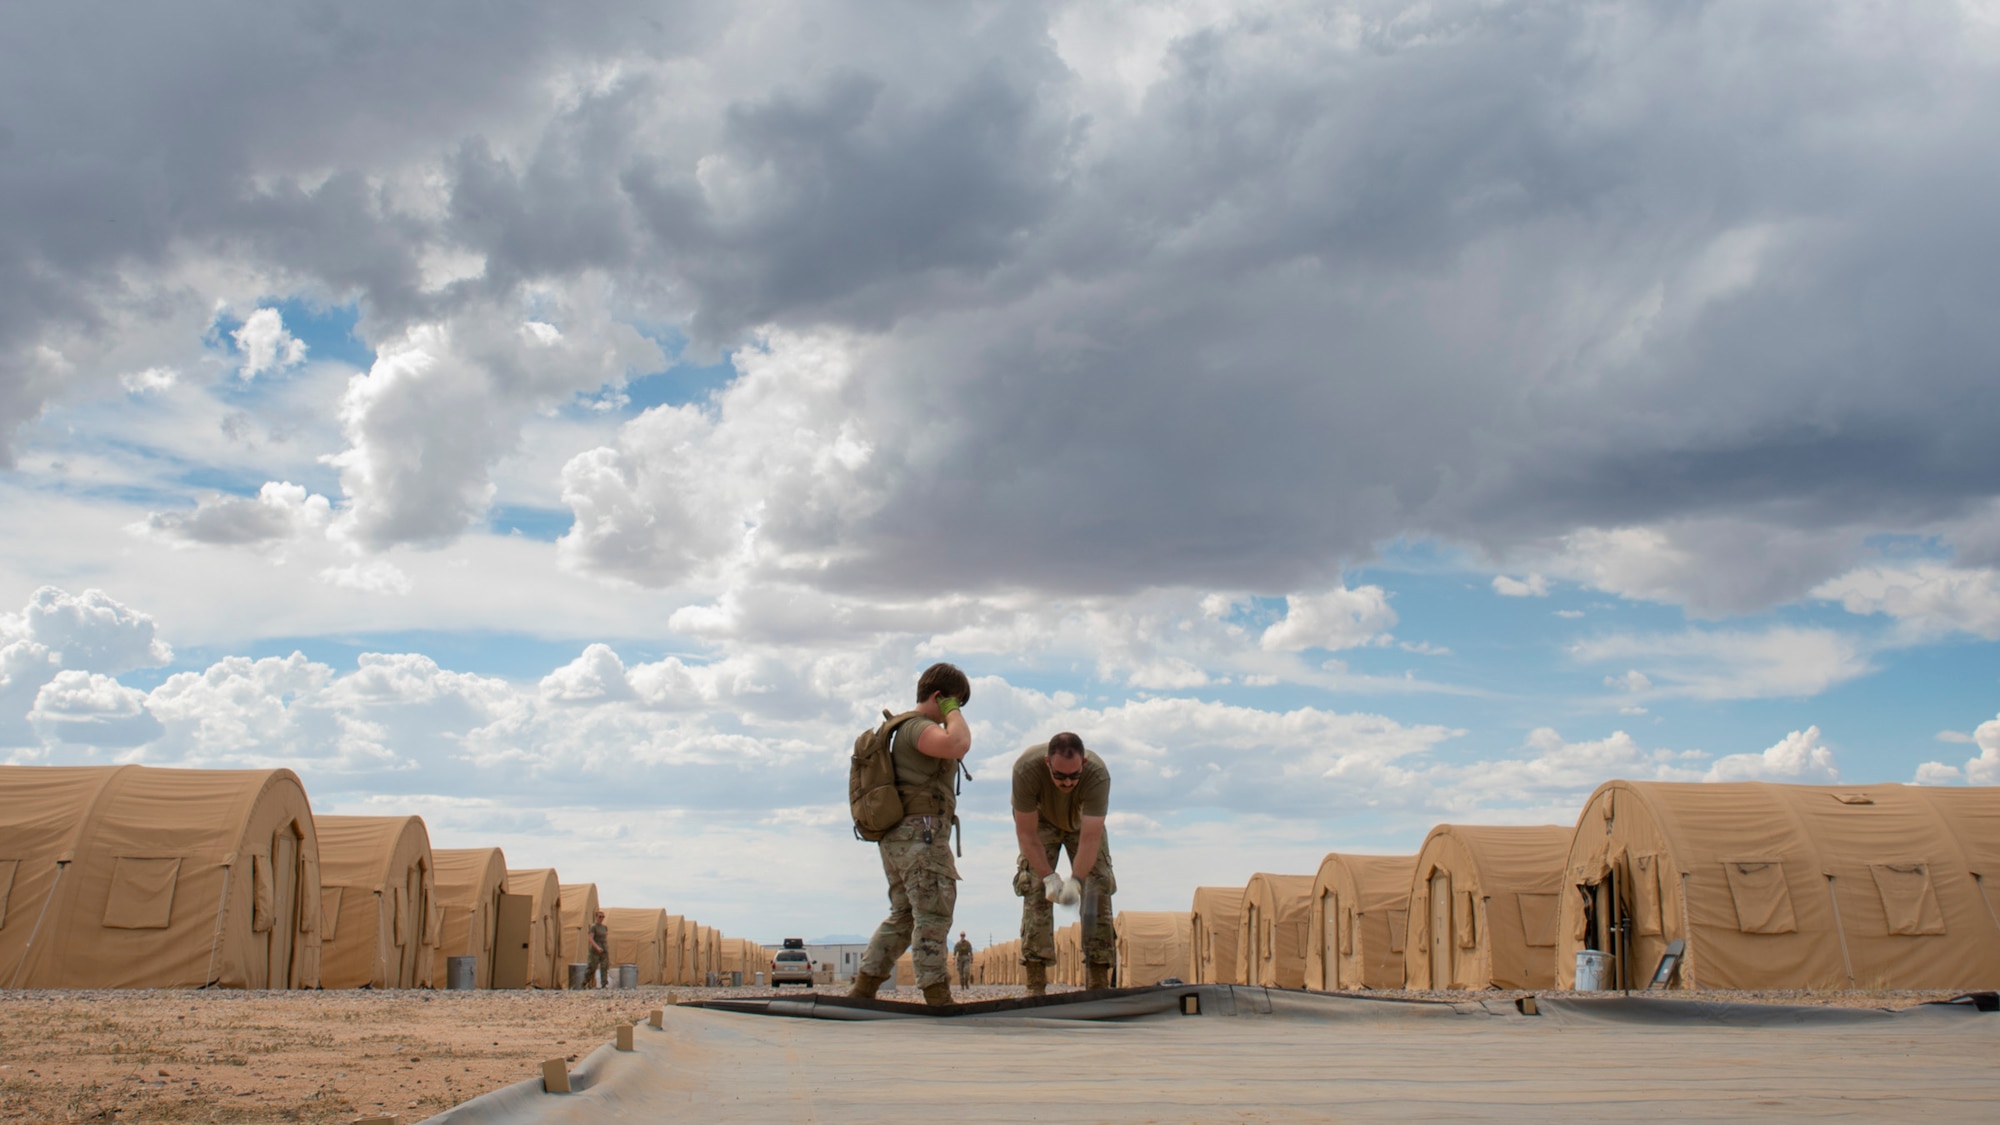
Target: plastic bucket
1592, 967
461, 973
628, 976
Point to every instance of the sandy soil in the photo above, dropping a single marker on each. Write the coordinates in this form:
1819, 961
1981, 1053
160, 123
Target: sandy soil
242, 1057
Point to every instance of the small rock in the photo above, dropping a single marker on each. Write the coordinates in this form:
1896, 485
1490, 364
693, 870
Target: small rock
164, 1074
418, 1058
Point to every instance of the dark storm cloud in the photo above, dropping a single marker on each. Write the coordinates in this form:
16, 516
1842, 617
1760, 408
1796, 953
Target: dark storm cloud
1486, 272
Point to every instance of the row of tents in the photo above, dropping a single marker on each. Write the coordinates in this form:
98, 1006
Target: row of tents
1764, 886
136, 877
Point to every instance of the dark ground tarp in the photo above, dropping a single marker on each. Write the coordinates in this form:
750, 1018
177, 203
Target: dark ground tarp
1275, 1056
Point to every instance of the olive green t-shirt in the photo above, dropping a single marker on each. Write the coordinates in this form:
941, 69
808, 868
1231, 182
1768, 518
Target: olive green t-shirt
1035, 791
916, 770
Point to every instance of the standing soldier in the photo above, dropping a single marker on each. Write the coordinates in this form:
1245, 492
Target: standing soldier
600, 955
916, 854
963, 951
1061, 794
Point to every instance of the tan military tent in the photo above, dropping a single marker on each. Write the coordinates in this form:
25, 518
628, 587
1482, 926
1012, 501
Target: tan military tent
1213, 922
1360, 908
544, 892
1272, 930
470, 882
1787, 886
1483, 907
134, 877
710, 948
378, 893
906, 969
1152, 946
638, 937
1069, 956
673, 957
579, 912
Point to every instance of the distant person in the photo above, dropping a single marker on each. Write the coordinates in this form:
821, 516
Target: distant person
963, 952
599, 967
1061, 795
916, 854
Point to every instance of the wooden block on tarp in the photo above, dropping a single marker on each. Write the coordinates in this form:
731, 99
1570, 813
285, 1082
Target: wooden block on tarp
658, 1018
624, 1037
555, 1076
385, 1119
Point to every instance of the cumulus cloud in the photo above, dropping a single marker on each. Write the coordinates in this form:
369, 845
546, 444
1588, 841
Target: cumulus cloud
1800, 758
281, 511
94, 709
373, 576
1981, 770
1929, 598
266, 346
1337, 619
88, 632
1533, 586
1778, 662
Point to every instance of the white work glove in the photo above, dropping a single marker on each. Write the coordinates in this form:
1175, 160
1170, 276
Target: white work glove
1072, 893
1052, 887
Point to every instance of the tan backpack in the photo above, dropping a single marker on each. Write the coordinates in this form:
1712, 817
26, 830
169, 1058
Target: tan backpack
872, 796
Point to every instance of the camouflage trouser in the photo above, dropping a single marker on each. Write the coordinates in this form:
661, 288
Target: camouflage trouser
599, 963
964, 972
1038, 915
923, 890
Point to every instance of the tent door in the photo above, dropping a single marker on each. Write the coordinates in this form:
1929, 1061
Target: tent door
1441, 943
513, 940
1329, 940
284, 909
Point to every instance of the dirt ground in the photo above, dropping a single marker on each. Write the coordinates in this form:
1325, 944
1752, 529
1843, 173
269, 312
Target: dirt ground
253, 1057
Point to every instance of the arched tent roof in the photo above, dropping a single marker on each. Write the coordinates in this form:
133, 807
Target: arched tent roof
1271, 936
1789, 886
544, 892
639, 937
579, 911
1493, 924
1152, 946
379, 890
1213, 921
135, 877
1360, 908
470, 882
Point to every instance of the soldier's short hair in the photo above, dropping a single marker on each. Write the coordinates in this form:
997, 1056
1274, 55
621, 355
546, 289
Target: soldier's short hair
947, 679
1066, 745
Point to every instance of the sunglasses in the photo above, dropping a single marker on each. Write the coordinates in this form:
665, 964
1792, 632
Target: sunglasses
1059, 775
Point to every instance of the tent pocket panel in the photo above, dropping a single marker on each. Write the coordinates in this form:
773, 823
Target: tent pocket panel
7, 869
329, 911
1646, 895
1346, 917
1908, 899
1762, 897
142, 893
1399, 921
263, 894
1464, 928
1538, 918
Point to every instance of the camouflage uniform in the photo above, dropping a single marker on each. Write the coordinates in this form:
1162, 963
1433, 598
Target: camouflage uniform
963, 952
923, 891
923, 879
1038, 923
599, 962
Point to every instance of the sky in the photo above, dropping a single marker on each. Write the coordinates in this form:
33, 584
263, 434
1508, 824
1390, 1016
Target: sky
574, 423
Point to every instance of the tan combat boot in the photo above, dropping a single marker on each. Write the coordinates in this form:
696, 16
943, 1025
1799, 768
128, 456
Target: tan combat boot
865, 985
937, 995
1100, 977
1038, 978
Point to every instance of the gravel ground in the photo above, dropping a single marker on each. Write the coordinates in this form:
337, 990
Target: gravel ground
141, 1056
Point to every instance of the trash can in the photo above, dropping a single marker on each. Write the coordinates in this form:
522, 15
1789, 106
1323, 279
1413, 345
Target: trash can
736, 978
628, 976
461, 973
1592, 966
579, 972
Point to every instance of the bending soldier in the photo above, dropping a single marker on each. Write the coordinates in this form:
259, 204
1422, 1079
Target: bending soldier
916, 854
1061, 795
